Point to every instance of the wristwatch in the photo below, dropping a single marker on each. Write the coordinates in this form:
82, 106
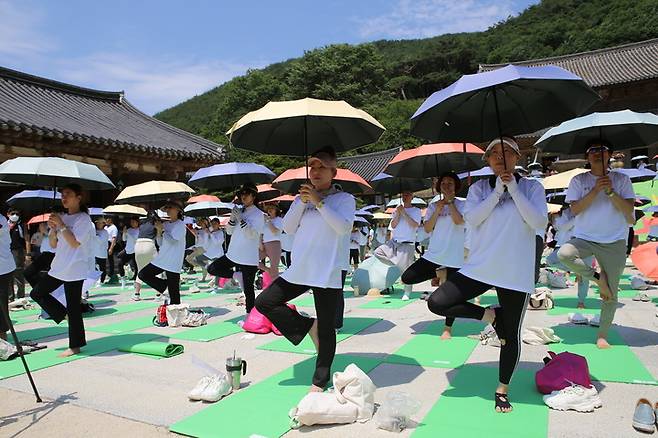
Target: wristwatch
320, 205
611, 194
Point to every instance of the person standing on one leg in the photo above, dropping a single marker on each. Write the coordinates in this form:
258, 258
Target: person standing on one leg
145, 247
320, 217
40, 264
354, 247
7, 267
272, 237
72, 235
170, 258
501, 214
445, 226
112, 235
127, 254
245, 227
602, 203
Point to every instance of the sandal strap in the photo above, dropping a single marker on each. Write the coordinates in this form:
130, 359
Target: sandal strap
502, 400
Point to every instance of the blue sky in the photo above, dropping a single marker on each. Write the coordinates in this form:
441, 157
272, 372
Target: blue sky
161, 52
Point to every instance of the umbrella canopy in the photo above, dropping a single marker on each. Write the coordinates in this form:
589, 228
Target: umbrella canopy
645, 259
382, 216
358, 220
363, 213
53, 172
201, 198
485, 171
637, 175
416, 202
230, 175
511, 100
301, 127
284, 200
561, 180
652, 209
39, 219
34, 201
554, 208
124, 209
557, 197
386, 183
371, 207
95, 211
266, 192
624, 129
291, 180
205, 209
431, 160
154, 191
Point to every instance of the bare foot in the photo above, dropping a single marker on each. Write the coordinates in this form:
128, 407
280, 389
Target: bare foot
581, 305
313, 333
69, 352
447, 333
315, 389
602, 343
604, 288
489, 315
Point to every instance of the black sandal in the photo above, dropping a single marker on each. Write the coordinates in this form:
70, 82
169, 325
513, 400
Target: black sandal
500, 331
502, 403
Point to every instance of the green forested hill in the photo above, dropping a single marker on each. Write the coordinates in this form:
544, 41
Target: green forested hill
389, 79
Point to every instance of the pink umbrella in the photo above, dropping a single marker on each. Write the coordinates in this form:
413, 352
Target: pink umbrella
39, 219
203, 198
290, 181
645, 259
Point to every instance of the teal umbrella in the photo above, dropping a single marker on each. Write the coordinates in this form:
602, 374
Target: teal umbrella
53, 172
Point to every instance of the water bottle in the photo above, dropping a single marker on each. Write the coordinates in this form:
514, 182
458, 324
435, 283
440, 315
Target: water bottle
235, 368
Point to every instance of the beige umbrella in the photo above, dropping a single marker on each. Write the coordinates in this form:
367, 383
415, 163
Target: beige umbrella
154, 191
382, 216
561, 180
553, 208
124, 209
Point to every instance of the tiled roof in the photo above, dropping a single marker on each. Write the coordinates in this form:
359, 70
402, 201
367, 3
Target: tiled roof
33, 105
368, 165
610, 66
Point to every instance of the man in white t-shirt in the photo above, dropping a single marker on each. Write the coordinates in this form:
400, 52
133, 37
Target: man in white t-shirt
112, 234
602, 203
406, 220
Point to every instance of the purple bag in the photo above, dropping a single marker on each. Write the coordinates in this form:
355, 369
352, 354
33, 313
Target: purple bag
562, 370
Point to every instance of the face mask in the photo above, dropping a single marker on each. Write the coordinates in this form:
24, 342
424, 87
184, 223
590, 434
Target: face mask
14, 218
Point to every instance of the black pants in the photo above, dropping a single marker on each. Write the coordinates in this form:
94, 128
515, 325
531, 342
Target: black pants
73, 291
6, 282
340, 302
451, 299
285, 258
539, 250
423, 270
38, 268
149, 274
110, 260
102, 266
125, 258
354, 256
19, 273
631, 237
272, 303
223, 267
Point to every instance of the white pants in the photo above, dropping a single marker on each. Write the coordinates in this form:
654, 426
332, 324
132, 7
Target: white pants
145, 252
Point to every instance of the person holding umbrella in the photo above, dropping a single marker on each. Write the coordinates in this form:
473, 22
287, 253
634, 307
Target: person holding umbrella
445, 224
602, 203
502, 214
321, 216
7, 267
72, 236
170, 257
245, 227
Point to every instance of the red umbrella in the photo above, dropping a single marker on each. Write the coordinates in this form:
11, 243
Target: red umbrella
203, 198
431, 160
645, 259
290, 181
267, 192
39, 219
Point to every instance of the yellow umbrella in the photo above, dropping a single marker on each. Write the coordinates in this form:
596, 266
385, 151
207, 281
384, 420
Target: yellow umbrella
124, 209
154, 191
381, 216
561, 180
553, 208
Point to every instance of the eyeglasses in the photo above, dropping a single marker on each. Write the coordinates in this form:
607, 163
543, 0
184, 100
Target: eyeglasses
595, 149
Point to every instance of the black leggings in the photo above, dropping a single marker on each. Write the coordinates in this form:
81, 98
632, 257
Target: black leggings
223, 267
631, 238
272, 303
423, 270
285, 258
38, 268
451, 299
73, 291
148, 275
102, 266
6, 281
340, 303
539, 250
354, 256
125, 258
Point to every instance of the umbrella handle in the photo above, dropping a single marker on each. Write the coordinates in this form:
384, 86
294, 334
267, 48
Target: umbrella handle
306, 147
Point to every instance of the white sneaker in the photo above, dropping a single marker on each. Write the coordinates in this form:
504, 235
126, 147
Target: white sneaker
577, 318
405, 297
216, 389
136, 297
194, 289
595, 321
575, 398
196, 393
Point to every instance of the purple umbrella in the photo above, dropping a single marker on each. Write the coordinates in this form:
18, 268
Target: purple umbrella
485, 171
231, 175
637, 175
35, 201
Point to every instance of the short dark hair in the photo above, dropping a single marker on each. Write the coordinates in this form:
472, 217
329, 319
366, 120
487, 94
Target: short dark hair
453, 175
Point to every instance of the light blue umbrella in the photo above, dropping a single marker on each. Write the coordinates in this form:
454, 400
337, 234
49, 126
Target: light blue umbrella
637, 175
35, 201
416, 202
231, 175
205, 209
95, 211
53, 172
485, 171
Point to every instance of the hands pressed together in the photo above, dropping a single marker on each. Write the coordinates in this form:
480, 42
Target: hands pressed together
307, 193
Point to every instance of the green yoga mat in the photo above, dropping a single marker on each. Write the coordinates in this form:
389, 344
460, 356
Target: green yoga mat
262, 408
130, 325
48, 357
153, 348
616, 364
209, 332
19, 314
466, 407
428, 350
351, 326
565, 305
306, 299
394, 301
623, 293
41, 332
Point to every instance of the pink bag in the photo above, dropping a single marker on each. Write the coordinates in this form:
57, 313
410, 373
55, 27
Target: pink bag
561, 371
256, 322
276, 330
222, 281
267, 279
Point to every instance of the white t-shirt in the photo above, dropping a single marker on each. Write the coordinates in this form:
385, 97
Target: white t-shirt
563, 225
214, 248
344, 249
45, 244
355, 237
268, 234
201, 238
363, 236
172, 248
601, 222
421, 234
112, 232
73, 264
245, 239
319, 250
502, 243
286, 241
131, 238
7, 264
446, 246
100, 244
405, 232
380, 234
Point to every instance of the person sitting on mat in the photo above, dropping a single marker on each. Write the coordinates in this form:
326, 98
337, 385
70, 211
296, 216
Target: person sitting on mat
445, 225
321, 216
502, 214
72, 235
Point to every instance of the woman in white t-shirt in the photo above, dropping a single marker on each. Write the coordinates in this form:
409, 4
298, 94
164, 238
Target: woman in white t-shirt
321, 216
127, 255
272, 240
286, 247
355, 237
72, 236
170, 257
198, 255
502, 213
100, 247
245, 227
7, 267
445, 225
